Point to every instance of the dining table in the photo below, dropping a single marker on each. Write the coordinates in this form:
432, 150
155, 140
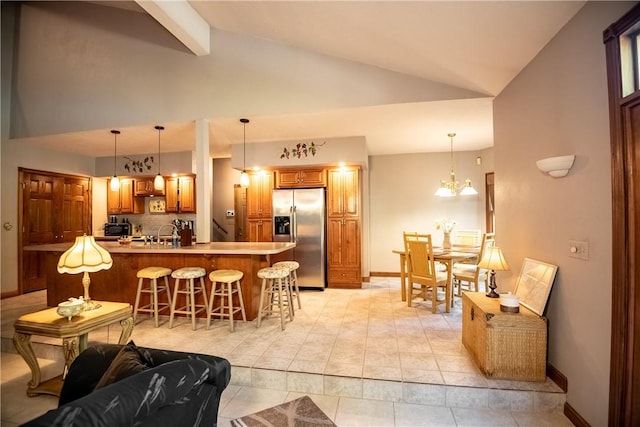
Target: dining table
447, 257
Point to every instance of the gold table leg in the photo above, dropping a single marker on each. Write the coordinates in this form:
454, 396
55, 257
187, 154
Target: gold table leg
23, 345
127, 328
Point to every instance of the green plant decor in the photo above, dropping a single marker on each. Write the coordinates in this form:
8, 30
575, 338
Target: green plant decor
139, 166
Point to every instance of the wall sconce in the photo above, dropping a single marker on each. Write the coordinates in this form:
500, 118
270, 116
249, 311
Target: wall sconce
556, 167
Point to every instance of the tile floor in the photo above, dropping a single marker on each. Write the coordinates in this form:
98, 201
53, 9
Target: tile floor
362, 355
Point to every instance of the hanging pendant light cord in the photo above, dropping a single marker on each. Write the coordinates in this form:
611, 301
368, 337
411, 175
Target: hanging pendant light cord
159, 128
115, 149
244, 143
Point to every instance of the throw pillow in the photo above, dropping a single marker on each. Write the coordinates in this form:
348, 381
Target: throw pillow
128, 361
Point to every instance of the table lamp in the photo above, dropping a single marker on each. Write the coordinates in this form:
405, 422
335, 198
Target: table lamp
493, 260
85, 256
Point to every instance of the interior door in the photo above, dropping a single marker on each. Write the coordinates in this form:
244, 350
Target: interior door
54, 208
621, 40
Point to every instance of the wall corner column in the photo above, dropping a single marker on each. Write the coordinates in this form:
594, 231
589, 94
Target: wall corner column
204, 172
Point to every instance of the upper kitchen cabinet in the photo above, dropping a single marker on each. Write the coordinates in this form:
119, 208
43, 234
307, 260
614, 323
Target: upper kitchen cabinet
143, 186
343, 197
259, 194
181, 194
259, 206
344, 228
301, 178
122, 201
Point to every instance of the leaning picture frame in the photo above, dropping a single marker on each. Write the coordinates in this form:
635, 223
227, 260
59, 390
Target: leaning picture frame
534, 284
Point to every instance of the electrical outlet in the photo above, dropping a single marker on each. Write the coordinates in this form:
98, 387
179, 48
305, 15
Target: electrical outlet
230, 213
579, 249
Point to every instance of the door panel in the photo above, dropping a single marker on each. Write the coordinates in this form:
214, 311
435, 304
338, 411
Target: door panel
53, 208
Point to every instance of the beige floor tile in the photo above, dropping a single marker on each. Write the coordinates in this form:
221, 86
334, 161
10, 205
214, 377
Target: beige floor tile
363, 412
360, 340
409, 415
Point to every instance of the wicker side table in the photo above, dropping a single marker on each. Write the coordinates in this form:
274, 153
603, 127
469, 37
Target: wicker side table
510, 346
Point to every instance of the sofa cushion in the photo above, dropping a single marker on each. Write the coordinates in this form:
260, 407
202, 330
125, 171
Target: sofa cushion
128, 361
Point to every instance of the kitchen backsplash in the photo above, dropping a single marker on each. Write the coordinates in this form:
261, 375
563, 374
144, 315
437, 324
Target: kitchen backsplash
148, 223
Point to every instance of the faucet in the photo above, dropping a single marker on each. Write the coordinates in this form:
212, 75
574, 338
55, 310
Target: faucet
173, 227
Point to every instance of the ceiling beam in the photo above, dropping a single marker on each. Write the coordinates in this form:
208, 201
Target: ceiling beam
181, 20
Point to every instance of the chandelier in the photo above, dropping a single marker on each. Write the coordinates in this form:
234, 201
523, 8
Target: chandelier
451, 187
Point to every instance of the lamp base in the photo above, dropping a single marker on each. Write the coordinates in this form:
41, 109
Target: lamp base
90, 305
492, 286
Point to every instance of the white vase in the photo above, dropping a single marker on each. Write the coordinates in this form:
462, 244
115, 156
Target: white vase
446, 243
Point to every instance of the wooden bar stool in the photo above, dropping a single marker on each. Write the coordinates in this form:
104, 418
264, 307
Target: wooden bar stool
189, 274
226, 279
154, 307
293, 278
274, 293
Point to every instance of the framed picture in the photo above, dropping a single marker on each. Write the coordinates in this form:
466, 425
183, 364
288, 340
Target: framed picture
534, 284
157, 205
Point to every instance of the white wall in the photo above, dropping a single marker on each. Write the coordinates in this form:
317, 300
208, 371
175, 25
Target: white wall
402, 199
558, 105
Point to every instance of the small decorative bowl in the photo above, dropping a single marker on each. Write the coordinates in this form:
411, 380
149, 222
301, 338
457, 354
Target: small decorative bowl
70, 308
125, 240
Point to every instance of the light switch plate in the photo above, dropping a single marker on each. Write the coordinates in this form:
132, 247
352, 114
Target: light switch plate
579, 249
231, 213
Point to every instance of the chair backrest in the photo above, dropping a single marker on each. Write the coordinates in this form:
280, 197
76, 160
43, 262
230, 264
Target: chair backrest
488, 239
468, 237
419, 252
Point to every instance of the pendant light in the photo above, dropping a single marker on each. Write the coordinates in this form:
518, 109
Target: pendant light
115, 181
450, 188
244, 177
158, 181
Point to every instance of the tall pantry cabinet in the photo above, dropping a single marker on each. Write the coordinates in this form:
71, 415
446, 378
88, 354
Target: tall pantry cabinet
259, 209
343, 228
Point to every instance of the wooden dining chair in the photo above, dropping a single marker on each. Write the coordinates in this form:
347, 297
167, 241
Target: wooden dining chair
468, 238
469, 276
422, 270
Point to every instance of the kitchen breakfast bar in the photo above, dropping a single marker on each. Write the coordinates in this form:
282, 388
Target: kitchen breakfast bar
119, 283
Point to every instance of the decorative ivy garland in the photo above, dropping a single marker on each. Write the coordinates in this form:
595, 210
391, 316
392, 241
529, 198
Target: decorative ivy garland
301, 150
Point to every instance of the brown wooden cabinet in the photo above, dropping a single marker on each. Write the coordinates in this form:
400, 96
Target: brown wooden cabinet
260, 230
181, 194
343, 228
143, 186
301, 178
259, 206
122, 200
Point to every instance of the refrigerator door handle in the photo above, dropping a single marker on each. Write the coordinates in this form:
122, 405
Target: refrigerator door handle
294, 225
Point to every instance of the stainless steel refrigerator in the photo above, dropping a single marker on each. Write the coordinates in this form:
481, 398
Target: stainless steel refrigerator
299, 216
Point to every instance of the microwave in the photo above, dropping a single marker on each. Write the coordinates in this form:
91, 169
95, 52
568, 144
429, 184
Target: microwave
117, 229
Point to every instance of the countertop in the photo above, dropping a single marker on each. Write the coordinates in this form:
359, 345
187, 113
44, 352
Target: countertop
213, 248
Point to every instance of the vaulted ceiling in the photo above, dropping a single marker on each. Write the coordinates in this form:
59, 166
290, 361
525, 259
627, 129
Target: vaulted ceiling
476, 46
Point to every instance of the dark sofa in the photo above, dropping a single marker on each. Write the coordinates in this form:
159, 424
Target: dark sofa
167, 388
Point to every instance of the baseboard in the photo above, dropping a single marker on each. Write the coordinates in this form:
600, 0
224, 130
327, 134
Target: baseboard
9, 294
557, 377
383, 274
574, 416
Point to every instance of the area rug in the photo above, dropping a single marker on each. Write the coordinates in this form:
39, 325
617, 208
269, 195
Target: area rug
301, 412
